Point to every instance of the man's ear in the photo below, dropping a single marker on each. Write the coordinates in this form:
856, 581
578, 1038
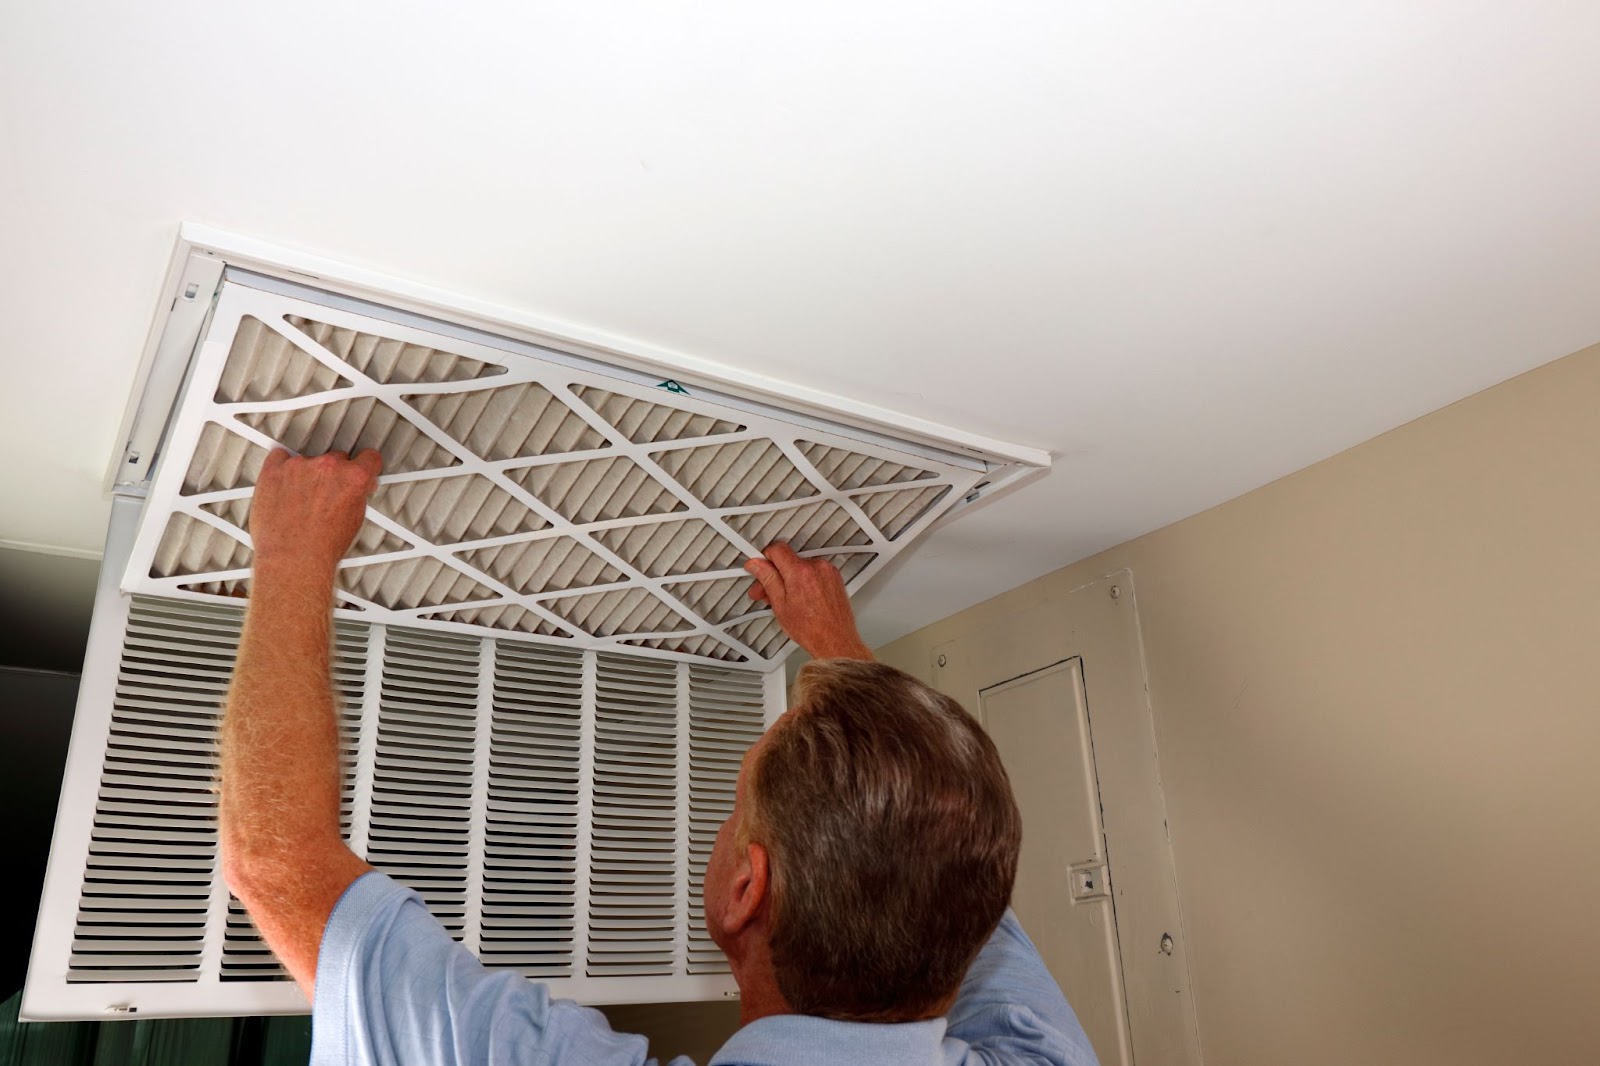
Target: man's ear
748, 893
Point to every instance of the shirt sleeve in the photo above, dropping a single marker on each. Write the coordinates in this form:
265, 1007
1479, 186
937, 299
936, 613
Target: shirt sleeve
393, 989
1010, 1010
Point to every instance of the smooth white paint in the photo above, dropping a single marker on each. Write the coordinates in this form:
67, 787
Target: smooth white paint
1187, 249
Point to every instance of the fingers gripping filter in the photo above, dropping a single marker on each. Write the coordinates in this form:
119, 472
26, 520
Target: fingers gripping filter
526, 492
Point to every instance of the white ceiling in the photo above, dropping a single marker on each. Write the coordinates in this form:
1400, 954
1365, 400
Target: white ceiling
1187, 248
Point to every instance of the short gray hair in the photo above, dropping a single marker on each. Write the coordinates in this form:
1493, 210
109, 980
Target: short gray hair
893, 839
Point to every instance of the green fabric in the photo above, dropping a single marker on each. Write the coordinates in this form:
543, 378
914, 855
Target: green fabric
282, 1041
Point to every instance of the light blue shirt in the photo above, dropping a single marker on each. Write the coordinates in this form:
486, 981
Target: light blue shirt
394, 990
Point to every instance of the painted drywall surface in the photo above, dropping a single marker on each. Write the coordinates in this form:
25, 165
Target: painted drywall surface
1377, 716
1190, 248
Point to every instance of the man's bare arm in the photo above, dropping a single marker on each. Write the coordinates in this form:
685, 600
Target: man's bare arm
808, 598
279, 810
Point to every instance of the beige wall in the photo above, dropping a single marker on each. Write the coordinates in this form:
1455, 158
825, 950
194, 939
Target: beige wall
1376, 690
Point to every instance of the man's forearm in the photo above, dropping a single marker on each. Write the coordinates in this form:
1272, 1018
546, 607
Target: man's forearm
279, 805
280, 743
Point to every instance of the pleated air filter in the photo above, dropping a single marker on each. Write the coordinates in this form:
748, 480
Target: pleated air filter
547, 665
535, 497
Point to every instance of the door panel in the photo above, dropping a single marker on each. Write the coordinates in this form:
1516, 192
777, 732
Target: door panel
1092, 635
1040, 724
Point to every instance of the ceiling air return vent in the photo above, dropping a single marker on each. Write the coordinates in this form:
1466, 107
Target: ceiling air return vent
547, 664
553, 806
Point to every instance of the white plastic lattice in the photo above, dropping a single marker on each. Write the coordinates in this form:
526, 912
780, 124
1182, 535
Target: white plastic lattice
524, 492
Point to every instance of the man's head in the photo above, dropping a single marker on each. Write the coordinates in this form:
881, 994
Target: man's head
871, 851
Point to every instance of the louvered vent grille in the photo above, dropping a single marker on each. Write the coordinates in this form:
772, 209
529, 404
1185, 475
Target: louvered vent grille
147, 884
531, 823
422, 778
523, 494
555, 808
548, 664
634, 850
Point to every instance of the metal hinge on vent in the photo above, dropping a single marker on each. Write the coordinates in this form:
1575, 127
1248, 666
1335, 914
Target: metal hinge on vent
165, 371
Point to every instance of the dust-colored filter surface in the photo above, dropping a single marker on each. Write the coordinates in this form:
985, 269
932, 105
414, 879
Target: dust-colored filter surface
525, 492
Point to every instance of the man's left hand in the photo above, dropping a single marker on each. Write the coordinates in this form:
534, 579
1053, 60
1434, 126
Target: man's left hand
306, 511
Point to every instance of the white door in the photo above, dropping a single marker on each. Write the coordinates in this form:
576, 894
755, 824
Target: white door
1040, 722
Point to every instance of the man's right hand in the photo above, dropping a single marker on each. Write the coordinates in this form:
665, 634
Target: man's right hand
810, 602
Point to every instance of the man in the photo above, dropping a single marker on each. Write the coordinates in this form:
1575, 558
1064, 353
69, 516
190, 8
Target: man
869, 857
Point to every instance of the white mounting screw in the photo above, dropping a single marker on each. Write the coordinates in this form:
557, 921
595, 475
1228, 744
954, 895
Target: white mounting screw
1116, 592
942, 659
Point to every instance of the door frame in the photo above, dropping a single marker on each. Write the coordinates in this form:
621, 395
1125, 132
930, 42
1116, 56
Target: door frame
1098, 624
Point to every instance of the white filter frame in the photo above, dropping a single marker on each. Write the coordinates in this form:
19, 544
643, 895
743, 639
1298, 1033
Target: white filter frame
246, 298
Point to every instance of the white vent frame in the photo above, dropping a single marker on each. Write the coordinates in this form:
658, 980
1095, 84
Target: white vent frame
202, 253
158, 422
54, 992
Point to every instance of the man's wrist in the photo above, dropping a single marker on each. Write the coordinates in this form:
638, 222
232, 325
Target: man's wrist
298, 574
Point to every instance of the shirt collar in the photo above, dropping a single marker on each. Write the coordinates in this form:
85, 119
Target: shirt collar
801, 1040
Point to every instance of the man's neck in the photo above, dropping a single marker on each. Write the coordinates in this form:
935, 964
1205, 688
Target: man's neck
759, 995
